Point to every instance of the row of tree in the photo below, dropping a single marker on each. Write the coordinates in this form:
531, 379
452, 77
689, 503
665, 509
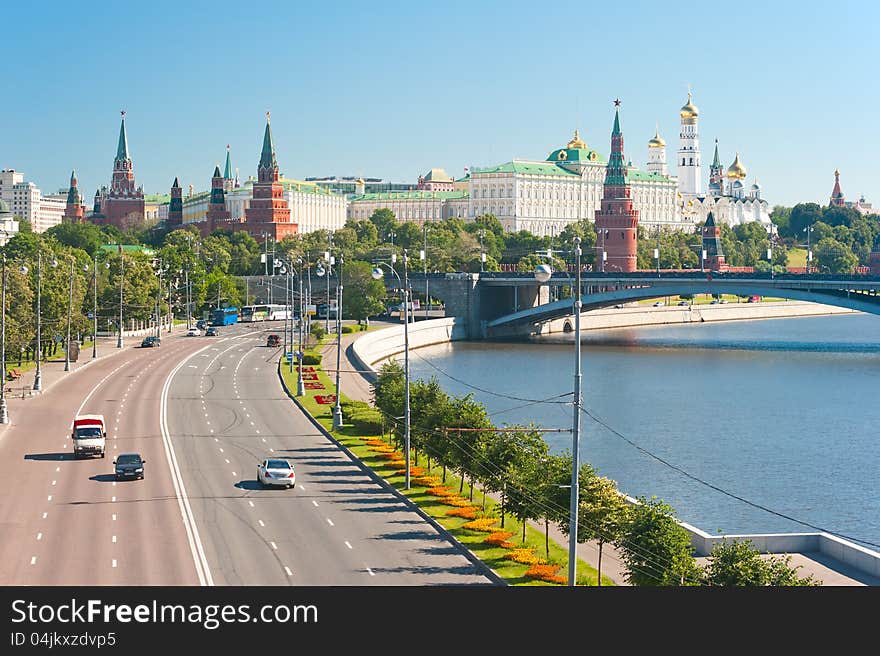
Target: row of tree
533, 484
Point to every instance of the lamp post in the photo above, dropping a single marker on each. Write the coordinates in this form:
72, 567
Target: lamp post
770, 259
377, 274
4, 412
543, 273
330, 260
38, 376
69, 313
657, 252
482, 254
337, 409
423, 255
808, 230
300, 383
95, 308
603, 234
121, 284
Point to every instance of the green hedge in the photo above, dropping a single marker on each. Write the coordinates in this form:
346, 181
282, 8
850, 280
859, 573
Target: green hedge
366, 421
350, 405
311, 358
349, 329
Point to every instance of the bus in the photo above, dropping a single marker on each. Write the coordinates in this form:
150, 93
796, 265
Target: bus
224, 316
271, 312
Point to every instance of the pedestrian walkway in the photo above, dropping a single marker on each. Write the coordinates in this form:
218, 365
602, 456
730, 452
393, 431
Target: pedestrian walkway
358, 386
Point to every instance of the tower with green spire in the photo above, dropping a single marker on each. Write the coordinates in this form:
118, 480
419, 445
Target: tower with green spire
617, 220
175, 207
228, 178
269, 212
716, 175
714, 259
122, 205
74, 210
217, 215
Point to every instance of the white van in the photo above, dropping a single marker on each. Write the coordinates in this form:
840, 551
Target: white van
88, 435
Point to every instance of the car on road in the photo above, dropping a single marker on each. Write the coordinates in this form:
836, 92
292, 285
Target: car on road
129, 465
714, 302
201, 324
683, 303
89, 435
618, 307
273, 340
658, 304
150, 341
193, 332
211, 332
275, 471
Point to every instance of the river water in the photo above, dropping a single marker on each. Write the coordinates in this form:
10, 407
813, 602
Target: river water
782, 414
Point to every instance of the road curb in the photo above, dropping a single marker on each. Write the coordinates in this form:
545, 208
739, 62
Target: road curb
467, 553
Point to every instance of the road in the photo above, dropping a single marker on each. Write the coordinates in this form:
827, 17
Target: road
202, 412
226, 412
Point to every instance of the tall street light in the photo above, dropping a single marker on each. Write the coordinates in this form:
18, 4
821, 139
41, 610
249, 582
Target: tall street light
329, 262
300, 383
95, 308
121, 283
423, 255
808, 230
70, 314
543, 273
4, 411
38, 376
337, 410
377, 275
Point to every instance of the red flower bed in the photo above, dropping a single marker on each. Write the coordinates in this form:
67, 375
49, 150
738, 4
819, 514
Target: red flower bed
328, 399
313, 385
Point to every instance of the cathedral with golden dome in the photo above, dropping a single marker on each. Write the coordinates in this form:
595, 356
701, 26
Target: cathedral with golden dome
726, 197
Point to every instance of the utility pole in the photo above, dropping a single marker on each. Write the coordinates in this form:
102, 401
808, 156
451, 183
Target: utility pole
95, 312
38, 376
121, 283
337, 410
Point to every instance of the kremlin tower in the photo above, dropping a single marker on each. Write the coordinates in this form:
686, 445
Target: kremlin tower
268, 212
617, 218
75, 210
217, 215
122, 205
716, 175
689, 170
175, 207
714, 260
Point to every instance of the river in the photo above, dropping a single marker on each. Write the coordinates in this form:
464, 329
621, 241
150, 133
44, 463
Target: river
783, 414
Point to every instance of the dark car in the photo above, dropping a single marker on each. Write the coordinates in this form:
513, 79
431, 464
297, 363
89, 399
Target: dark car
211, 332
129, 465
151, 341
273, 340
201, 324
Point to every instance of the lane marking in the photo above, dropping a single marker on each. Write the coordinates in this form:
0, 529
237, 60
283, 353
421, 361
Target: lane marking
348, 544
330, 521
113, 499
33, 560
370, 571
315, 503
261, 522
58, 469
301, 487
45, 514
114, 517
50, 497
221, 451
274, 546
54, 482
227, 461
114, 539
114, 562
114, 483
287, 569
251, 504
234, 474
39, 536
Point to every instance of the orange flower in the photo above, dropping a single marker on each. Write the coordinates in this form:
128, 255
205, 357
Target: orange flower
546, 572
441, 491
485, 524
499, 539
393, 455
426, 481
417, 471
374, 441
382, 448
468, 512
524, 556
455, 501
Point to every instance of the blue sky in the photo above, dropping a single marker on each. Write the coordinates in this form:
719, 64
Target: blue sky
390, 89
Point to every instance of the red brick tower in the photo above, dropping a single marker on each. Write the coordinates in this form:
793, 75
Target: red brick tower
715, 260
175, 208
217, 215
75, 210
123, 206
617, 216
837, 197
268, 212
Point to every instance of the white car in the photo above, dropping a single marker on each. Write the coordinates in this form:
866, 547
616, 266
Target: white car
193, 332
275, 471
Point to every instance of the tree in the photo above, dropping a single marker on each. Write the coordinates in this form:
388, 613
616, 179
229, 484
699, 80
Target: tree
603, 513
802, 215
464, 412
388, 389
427, 410
736, 563
526, 475
834, 257
781, 216
385, 222
655, 548
361, 294
85, 236
552, 478
521, 244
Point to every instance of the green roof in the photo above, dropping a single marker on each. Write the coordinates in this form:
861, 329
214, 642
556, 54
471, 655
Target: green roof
157, 198
412, 195
299, 186
196, 197
531, 168
128, 248
644, 176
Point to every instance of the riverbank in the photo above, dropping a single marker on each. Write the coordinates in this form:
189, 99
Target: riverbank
828, 558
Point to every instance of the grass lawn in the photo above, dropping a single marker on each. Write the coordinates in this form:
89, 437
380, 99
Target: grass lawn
797, 257
494, 556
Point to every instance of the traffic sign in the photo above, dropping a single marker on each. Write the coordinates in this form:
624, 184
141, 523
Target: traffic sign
91, 315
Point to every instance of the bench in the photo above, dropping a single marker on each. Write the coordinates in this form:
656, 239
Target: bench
14, 374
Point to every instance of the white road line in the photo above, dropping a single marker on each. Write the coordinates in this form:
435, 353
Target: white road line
314, 503
39, 536
114, 483
114, 517
348, 544
370, 571
252, 423
221, 451
330, 521
234, 474
58, 469
45, 515
54, 482
261, 522
50, 497
227, 461
251, 504
114, 562
274, 546
114, 539
33, 560
113, 499
258, 432
301, 487
264, 439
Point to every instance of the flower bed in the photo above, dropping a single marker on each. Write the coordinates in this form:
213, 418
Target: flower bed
499, 539
468, 512
427, 481
456, 501
441, 491
382, 448
545, 572
525, 556
485, 524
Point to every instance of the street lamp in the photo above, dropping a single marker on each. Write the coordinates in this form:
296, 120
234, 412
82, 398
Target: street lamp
38, 376
4, 412
95, 309
770, 259
121, 283
70, 313
482, 253
543, 273
377, 275
330, 261
809, 230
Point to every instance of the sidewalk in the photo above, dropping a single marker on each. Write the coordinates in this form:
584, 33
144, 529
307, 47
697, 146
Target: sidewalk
358, 386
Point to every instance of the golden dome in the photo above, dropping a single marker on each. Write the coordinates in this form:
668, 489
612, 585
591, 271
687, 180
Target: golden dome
690, 109
576, 142
657, 141
736, 170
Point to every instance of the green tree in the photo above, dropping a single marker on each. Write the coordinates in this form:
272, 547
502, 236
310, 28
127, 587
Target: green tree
553, 478
427, 412
736, 563
361, 294
388, 390
525, 477
781, 216
655, 548
803, 215
834, 257
84, 236
603, 513
385, 222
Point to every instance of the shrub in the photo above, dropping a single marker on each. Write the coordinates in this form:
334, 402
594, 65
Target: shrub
348, 329
311, 358
350, 405
317, 330
366, 421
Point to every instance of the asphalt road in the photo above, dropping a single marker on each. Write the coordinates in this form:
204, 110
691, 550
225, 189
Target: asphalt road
226, 411
68, 522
